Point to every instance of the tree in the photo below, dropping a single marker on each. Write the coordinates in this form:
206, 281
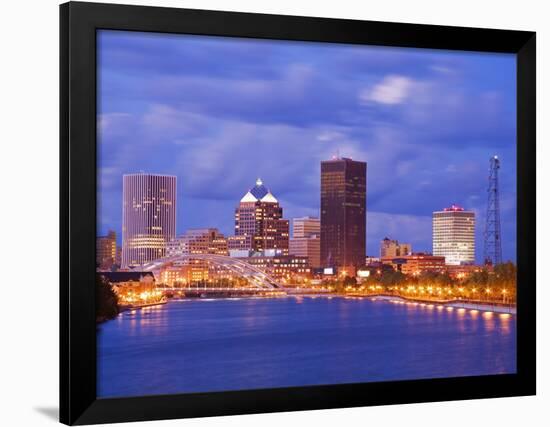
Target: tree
350, 281
106, 300
392, 277
505, 273
479, 278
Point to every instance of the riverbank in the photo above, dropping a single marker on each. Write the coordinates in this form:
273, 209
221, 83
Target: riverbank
127, 307
469, 305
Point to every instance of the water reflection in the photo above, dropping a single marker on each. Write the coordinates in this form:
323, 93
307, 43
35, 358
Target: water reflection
489, 321
230, 344
505, 322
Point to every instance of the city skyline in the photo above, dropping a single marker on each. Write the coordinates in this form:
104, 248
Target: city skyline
259, 200
478, 242
426, 122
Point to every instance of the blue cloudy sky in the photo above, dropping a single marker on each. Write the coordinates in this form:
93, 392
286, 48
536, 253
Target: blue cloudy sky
220, 112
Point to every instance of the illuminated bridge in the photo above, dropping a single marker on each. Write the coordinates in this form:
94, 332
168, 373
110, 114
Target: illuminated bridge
255, 277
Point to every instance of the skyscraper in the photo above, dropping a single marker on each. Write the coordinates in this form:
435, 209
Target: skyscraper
306, 240
259, 223
148, 217
343, 212
454, 235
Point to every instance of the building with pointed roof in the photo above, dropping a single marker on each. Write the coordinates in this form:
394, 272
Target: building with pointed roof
259, 193
259, 223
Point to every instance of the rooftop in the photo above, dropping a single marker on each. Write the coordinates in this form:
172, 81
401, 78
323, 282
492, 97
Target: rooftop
259, 193
454, 208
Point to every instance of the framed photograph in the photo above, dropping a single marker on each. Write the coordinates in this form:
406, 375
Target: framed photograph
266, 213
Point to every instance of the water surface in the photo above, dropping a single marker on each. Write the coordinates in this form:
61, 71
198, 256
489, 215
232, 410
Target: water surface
202, 345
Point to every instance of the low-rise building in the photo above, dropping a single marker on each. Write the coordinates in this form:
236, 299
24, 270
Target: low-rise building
417, 263
287, 267
199, 241
309, 247
239, 244
392, 248
130, 285
463, 271
106, 251
189, 269
371, 259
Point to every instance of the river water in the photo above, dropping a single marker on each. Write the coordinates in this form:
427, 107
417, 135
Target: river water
199, 345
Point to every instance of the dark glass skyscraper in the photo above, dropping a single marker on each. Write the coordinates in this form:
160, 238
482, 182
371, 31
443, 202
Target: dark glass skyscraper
343, 213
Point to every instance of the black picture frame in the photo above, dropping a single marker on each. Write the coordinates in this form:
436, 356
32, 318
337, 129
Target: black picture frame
78, 25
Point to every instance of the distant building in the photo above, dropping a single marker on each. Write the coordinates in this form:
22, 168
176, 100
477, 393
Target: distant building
187, 273
259, 223
309, 247
199, 241
174, 276
306, 240
343, 213
454, 235
306, 227
417, 263
463, 271
371, 260
240, 244
287, 267
128, 283
392, 248
148, 217
106, 251
118, 258
189, 270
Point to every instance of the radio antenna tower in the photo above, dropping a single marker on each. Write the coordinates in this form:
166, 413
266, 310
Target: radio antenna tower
492, 238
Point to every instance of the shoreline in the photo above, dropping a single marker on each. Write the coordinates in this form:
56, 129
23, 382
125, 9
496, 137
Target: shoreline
459, 304
126, 307
495, 308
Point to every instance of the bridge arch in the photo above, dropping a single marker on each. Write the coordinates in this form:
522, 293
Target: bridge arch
241, 268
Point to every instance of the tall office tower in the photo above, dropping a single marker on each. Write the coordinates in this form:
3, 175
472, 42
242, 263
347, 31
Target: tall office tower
306, 240
148, 217
492, 238
305, 227
106, 251
454, 235
343, 212
259, 223
392, 248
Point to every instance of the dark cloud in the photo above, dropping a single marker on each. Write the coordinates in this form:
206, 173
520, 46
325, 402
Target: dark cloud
218, 113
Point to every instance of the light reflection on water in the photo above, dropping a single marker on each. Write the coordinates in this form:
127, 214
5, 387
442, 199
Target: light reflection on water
226, 344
